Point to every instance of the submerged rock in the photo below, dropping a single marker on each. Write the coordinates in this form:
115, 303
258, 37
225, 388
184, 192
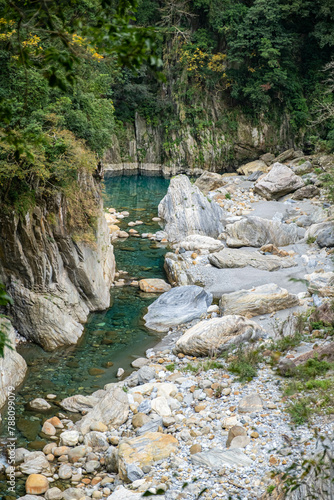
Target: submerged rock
79, 403
187, 211
279, 181
260, 300
36, 484
230, 258
154, 285
256, 232
215, 335
177, 306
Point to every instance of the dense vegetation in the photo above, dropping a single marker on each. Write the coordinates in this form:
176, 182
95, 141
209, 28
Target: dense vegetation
257, 56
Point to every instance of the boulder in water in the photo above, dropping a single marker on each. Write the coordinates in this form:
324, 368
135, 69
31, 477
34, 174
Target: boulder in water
177, 306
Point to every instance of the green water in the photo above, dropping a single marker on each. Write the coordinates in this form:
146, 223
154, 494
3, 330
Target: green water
116, 335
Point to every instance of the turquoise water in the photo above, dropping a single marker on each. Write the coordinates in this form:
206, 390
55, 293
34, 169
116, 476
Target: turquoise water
112, 337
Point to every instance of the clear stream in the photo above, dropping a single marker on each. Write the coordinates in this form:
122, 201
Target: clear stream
115, 336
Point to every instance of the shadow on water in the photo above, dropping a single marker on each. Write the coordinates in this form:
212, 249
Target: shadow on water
112, 338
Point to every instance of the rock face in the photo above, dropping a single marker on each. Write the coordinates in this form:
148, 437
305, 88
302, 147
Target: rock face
12, 366
144, 450
215, 335
187, 211
54, 280
229, 258
209, 181
112, 409
256, 232
177, 306
279, 181
260, 300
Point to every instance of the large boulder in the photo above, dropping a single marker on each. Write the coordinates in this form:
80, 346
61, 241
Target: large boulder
309, 191
144, 450
79, 403
112, 409
154, 285
36, 484
177, 306
209, 181
215, 335
35, 463
256, 232
253, 166
260, 300
198, 242
231, 258
217, 458
278, 182
321, 284
187, 211
12, 366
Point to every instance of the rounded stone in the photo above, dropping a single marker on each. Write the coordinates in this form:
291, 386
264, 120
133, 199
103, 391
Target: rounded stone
36, 484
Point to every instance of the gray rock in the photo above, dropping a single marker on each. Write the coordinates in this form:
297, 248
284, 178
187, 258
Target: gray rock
326, 238
196, 242
145, 374
133, 472
151, 426
74, 494
279, 181
139, 362
263, 299
217, 458
235, 431
250, 404
65, 471
112, 409
177, 306
240, 442
53, 494
257, 232
30, 497
20, 454
308, 191
144, 407
39, 404
321, 228
122, 493
79, 403
217, 334
111, 458
12, 366
96, 440
209, 181
69, 438
92, 465
187, 211
35, 463
231, 258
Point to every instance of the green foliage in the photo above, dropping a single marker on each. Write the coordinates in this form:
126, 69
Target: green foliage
300, 411
4, 342
245, 364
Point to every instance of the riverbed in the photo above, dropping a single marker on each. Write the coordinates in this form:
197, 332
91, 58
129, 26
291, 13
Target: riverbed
112, 338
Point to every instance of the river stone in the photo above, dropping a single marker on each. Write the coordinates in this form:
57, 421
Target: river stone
235, 431
69, 438
74, 494
232, 258
145, 374
263, 299
179, 305
253, 166
139, 362
140, 419
144, 450
240, 442
161, 407
256, 232
74, 454
30, 497
325, 238
133, 472
217, 458
112, 409
122, 493
54, 494
96, 440
317, 229
79, 403
39, 404
198, 242
151, 426
35, 463
278, 182
251, 403
154, 285
187, 211
111, 459
309, 191
20, 453
65, 471
209, 181
48, 429
321, 284
36, 484
216, 334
